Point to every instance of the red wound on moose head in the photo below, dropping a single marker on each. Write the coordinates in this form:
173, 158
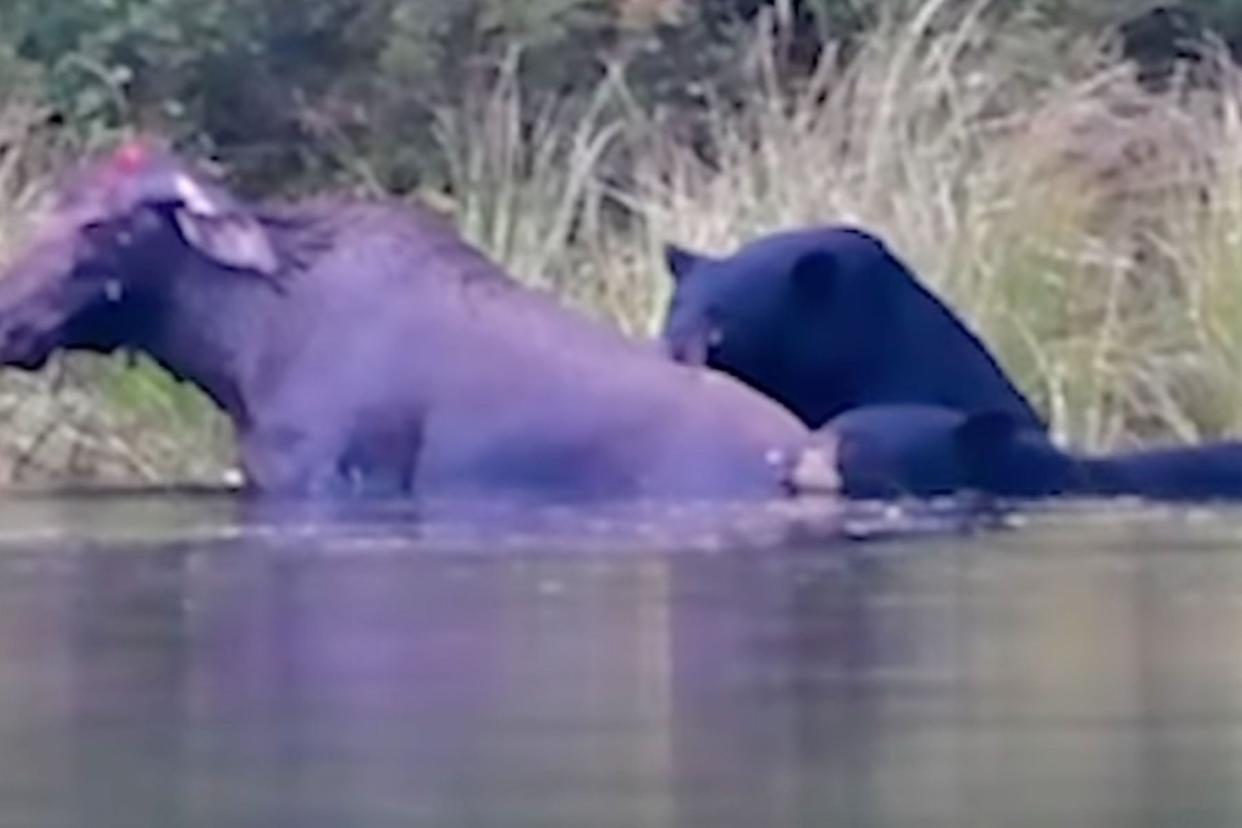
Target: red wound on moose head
130, 156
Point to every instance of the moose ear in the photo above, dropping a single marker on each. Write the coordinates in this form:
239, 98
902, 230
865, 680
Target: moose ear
236, 240
681, 261
813, 276
220, 229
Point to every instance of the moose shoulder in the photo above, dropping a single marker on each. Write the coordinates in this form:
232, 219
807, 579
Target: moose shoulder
364, 347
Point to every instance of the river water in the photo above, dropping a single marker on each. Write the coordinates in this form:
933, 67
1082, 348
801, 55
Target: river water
191, 660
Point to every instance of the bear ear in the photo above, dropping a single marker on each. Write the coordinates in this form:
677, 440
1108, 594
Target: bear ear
814, 276
984, 433
681, 261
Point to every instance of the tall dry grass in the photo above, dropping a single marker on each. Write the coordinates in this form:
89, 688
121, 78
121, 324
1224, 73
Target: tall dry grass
1087, 228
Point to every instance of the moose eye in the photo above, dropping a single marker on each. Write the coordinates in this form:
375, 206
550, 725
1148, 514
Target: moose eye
104, 234
122, 232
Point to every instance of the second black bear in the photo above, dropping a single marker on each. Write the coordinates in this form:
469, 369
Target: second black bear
917, 450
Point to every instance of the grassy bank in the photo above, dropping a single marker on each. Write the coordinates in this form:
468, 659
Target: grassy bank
1087, 228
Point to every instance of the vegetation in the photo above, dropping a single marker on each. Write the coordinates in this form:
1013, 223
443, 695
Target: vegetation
1081, 209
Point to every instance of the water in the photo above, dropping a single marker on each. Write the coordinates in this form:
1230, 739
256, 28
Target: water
186, 661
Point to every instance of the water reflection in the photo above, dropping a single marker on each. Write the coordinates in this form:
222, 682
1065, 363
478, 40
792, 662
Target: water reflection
1085, 670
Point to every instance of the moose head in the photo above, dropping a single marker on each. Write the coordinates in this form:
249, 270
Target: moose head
93, 276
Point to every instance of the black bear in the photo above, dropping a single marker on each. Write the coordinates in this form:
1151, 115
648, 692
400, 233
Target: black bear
889, 451
828, 319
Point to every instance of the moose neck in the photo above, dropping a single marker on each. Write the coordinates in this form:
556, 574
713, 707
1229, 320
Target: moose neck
209, 326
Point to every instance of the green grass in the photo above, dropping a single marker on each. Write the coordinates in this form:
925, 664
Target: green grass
1090, 231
